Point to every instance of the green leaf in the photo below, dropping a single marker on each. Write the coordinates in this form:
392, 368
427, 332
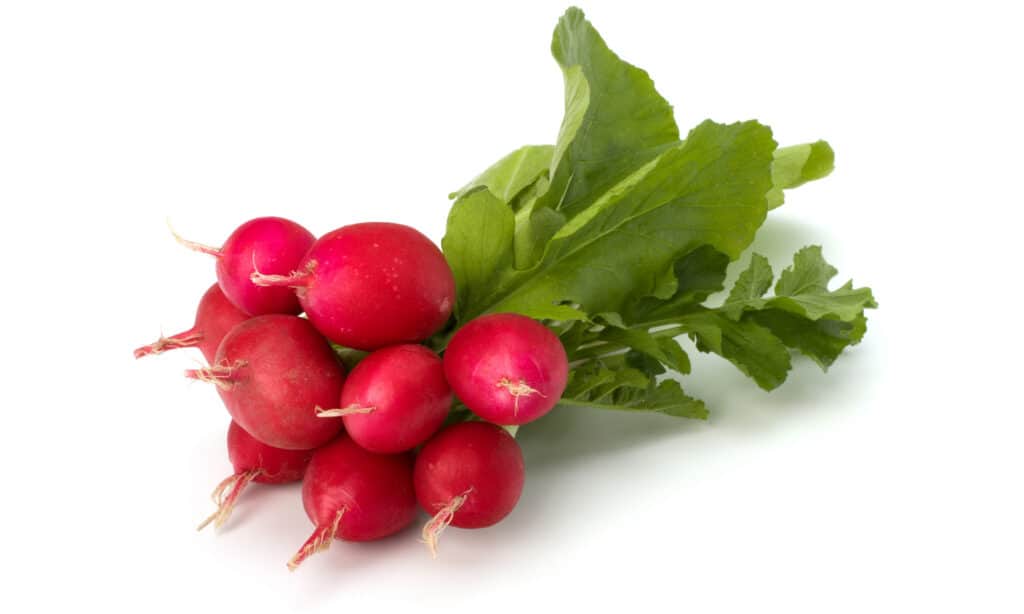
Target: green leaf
535, 225
688, 283
750, 287
748, 345
509, 176
665, 350
796, 165
478, 244
615, 120
820, 340
808, 273
802, 289
804, 314
626, 389
707, 190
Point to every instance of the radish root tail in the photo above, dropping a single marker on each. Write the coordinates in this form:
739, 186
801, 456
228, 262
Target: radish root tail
192, 245
295, 279
181, 340
319, 541
342, 411
517, 389
222, 376
433, 529
225, 496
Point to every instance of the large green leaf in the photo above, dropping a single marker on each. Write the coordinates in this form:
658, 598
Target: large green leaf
707, 190
615, 120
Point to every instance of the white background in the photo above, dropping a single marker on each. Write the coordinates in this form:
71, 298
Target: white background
891, 484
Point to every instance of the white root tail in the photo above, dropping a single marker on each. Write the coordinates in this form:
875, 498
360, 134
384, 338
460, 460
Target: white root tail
319, 541
517, 390
226, 495
295, 279
192, 245
342, 411
181, 340
223, 375
433, 529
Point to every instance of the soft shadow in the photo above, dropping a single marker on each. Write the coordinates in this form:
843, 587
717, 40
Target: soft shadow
571, 434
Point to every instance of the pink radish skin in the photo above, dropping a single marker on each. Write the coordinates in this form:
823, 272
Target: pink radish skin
395, 399
371, 285
470, 475
506, 368
269, 245
253, 461
215, 316
272, 372
355, 495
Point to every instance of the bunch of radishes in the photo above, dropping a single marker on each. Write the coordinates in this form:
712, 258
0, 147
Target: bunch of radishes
370, 445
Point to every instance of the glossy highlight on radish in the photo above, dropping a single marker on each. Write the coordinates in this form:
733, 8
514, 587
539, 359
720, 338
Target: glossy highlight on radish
394, 399
272, 372
370, 285
355, 495
253, 461
268, 245
507, 368
215, 316
470, 475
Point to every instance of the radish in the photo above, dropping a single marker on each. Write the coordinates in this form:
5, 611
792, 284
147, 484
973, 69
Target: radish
469, 475
506, 368
370, 285
271, 372
355, 495
271, 245
215, 316
394, 399
253, 462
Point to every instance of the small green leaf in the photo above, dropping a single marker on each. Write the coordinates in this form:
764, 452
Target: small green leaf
750, 287
509, 176
666, 398
802, 289
808, 273
796, 165
478, 244
820, 340
748, 345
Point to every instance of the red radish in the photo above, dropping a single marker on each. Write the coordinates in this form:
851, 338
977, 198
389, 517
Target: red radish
253, 462
506, 368
215, 316
366, 286
355, 495
394, 399
270, 245
469, 475
272, 371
